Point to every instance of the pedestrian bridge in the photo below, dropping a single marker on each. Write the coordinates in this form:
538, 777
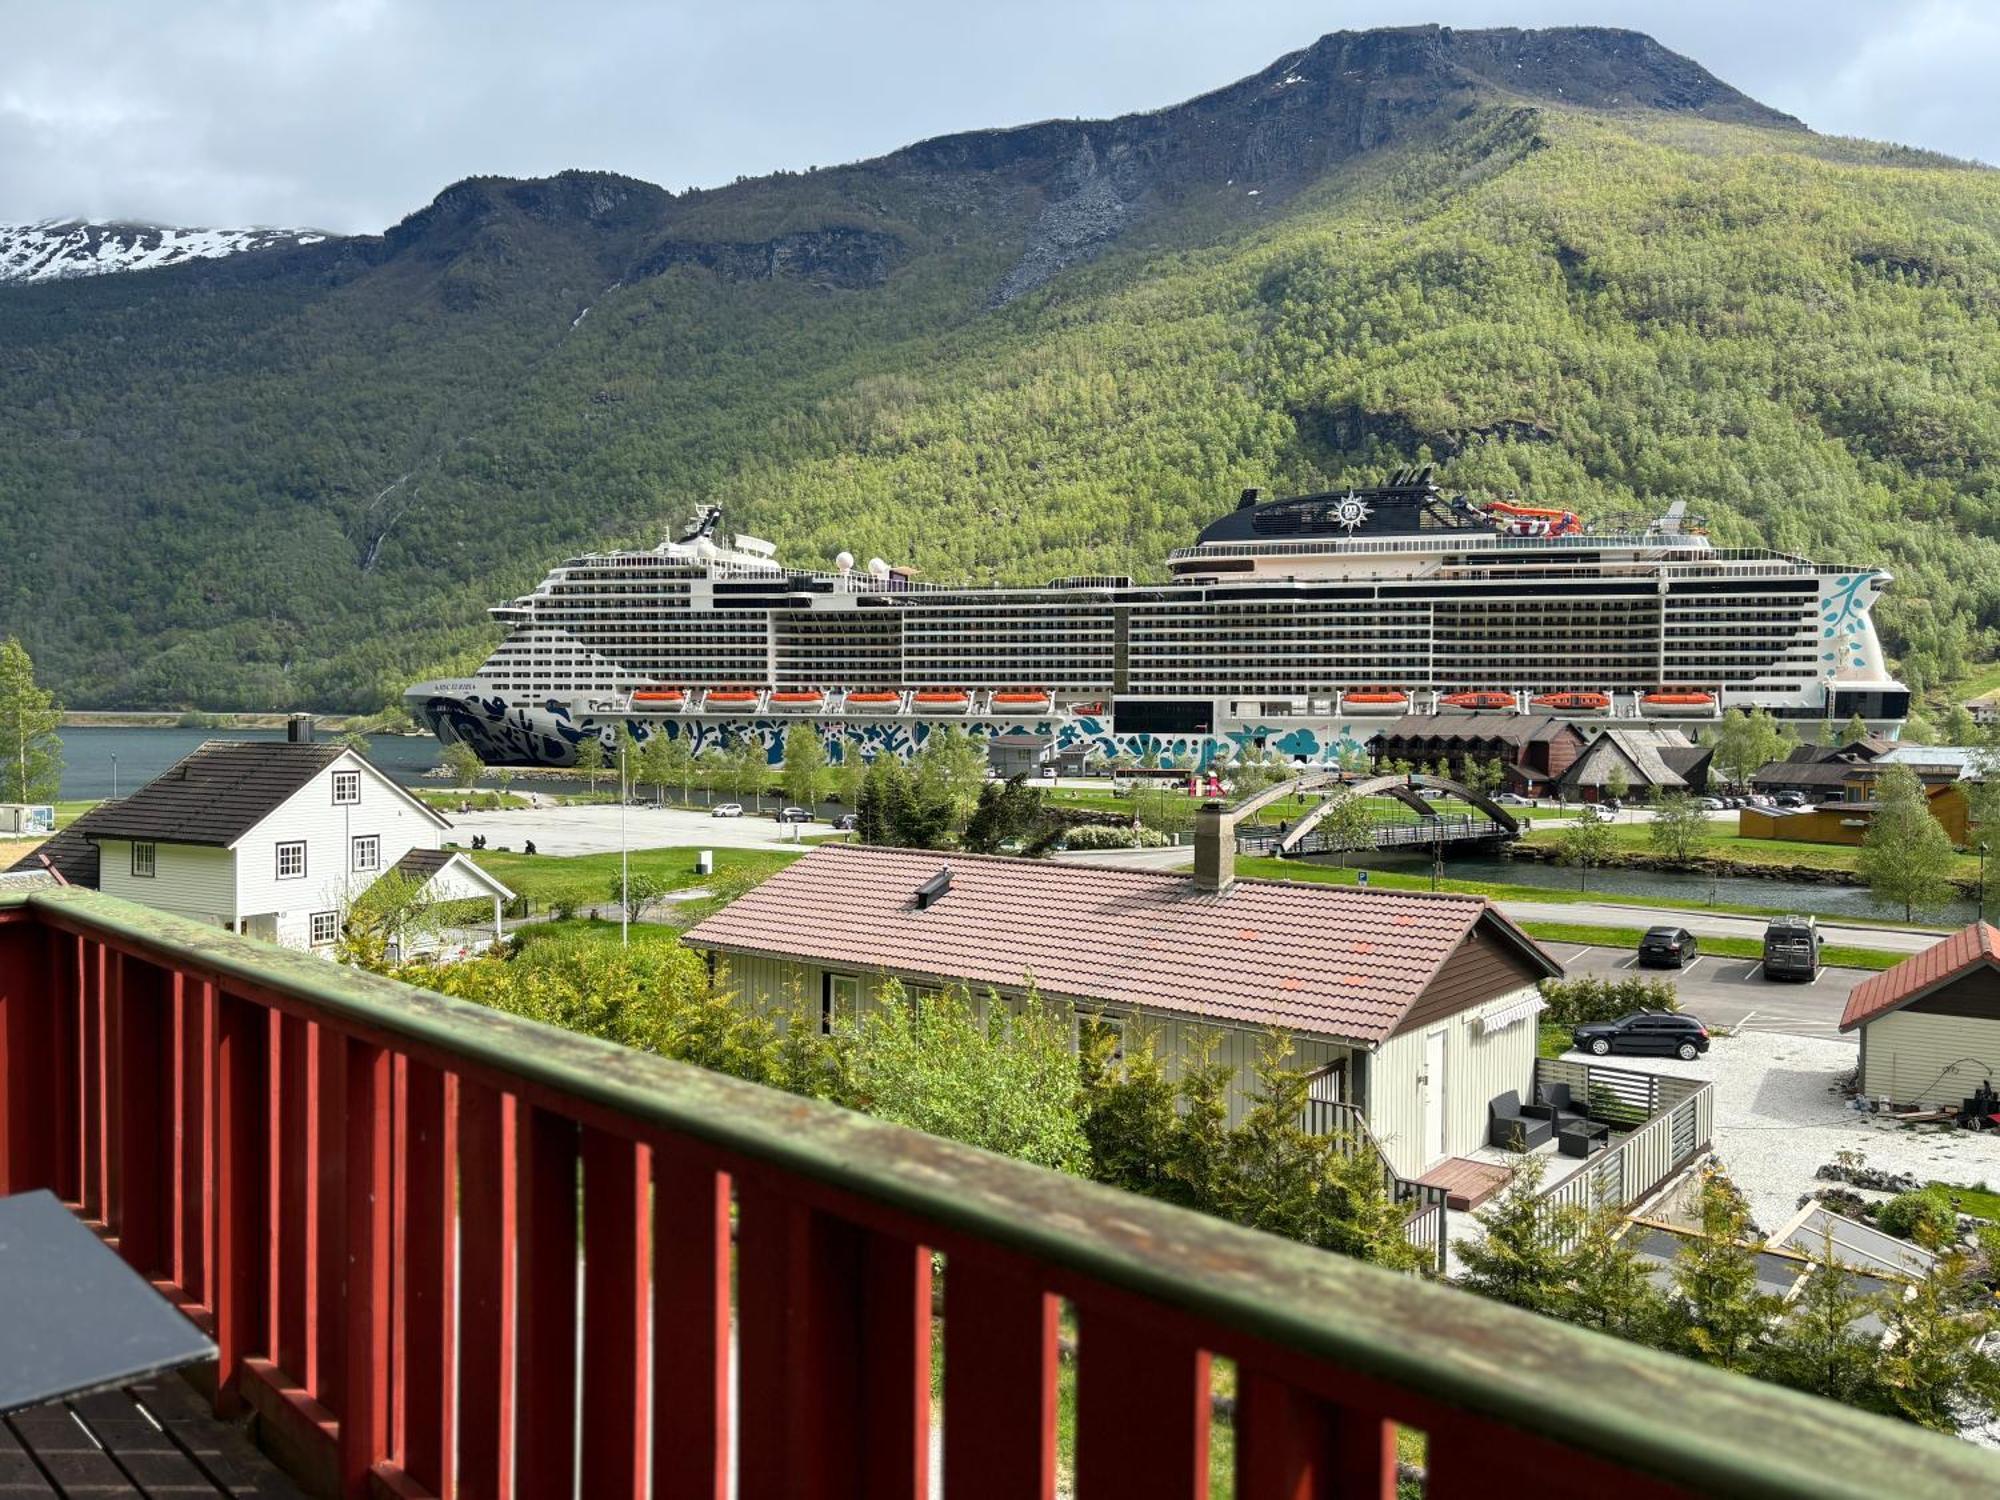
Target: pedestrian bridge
1486, 823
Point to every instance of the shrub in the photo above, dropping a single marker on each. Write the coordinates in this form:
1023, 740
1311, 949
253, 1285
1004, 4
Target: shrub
564, 904
1108, 836
1924, 1212
1578, 1002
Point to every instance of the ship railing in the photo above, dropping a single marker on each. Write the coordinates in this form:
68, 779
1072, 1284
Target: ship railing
382, 1202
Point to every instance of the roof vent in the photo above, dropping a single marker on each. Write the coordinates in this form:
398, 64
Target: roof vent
932, 891
1249, 498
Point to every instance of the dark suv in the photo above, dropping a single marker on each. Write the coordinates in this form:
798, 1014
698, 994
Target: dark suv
1662, 1033
1667, 947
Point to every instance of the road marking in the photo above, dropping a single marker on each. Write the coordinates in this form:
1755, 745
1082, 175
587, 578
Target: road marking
1816, 973
1630, 963
1753, 968
1744, 1024
1693, 963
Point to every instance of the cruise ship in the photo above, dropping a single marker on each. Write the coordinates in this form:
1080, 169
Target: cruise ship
1291, 626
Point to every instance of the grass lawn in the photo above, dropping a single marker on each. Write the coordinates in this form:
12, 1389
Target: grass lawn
1551, 1039
540, 876
1728, 844
451, 802
1981, 1202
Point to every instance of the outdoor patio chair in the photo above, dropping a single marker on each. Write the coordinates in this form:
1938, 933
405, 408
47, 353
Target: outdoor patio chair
1511, 1128
1555, 1103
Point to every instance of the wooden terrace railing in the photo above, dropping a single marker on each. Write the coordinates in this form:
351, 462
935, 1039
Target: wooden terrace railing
348, 1180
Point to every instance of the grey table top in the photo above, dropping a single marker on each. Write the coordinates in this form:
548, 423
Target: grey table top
75, 1317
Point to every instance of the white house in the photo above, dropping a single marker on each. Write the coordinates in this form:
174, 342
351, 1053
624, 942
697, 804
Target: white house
272, 839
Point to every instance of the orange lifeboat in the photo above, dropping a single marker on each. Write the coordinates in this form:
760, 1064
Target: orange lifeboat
1679, 701
1530, 520
797, 700
669, 697
1020, 702
1574, 703
1375, 701
943, 700
1478, 703
731, 696
873, 700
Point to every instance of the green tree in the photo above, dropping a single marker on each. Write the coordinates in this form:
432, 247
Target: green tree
745, 769
1933, 1365
591, 759
847, 776
1521, 1254
1584, 842
805, 773
29, 717
1348, 828
1818, 1346
1610, 1288
1680, 830
1747, 742
1723, 1315
635, 892
1853, 731
1617, 784
950, 768
1007, 811
625, 760
1906, 856
388, 916
1130, 1114
885, 792
463, 764
927, 1061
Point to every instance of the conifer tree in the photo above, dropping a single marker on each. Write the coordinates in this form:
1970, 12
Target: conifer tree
1725, 1316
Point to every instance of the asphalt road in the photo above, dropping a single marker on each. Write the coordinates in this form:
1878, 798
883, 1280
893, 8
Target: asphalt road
1730, 992
1708, 924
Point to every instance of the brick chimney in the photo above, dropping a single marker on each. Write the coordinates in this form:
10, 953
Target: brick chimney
1214, 848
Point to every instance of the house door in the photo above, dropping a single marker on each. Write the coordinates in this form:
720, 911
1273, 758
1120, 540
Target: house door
1432, 1081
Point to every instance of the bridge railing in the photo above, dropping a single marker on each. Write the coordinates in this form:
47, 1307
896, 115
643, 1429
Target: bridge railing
348, 1180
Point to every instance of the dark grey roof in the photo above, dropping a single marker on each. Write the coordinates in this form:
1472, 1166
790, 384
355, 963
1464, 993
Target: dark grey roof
70, 849
216, 793
422, 864
1802, 773
1687, 759
1512, 729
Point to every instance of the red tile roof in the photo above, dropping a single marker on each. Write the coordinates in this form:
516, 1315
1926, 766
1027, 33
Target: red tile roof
1921, 973
1323, 959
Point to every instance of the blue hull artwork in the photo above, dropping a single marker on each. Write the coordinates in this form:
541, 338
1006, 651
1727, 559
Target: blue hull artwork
504, 736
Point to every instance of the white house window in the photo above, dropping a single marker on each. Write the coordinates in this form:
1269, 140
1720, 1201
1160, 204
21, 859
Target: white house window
1114, 1024
346, 788
325, 928
839, 999
292, 860
368, 851
142, 860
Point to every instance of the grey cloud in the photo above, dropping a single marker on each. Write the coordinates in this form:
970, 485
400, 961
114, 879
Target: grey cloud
347, 114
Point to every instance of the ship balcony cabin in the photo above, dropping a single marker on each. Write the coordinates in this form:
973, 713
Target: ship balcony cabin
344, 1180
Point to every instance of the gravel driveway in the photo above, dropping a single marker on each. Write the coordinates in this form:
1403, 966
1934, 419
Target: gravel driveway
1779, 1115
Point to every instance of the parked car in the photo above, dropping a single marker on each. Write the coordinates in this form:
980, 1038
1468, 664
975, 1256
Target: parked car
1610, 805
726, 810
1660, 1033
1514, 799
1792, 948
1714, 804
1667, 948
845, 823
794, 815
1792, 799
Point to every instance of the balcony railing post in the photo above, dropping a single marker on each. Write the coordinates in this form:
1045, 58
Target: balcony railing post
1131, 1380
691, 1319
430, 1282
194, 1112
327, 1377
489, 1216
296, 1142
1000, 1332
896, 1370
242, 1053
364, 1396
616, 1239
144, 1148
28, 1112
545, 1440
1291, 1445
66, 994
95, 1198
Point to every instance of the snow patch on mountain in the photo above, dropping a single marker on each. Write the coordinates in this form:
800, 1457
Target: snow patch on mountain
57, 249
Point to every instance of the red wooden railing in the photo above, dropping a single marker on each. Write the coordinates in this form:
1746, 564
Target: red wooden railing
295, 1151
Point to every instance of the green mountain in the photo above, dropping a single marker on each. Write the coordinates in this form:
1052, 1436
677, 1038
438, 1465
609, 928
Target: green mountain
1568, 264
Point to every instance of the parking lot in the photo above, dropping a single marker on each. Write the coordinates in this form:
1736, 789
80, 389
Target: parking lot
1730, 992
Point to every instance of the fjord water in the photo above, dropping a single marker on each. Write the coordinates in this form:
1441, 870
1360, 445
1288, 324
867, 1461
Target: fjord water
143, 753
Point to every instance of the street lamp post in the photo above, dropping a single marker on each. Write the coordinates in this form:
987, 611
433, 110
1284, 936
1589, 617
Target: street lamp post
114, 780
624, 860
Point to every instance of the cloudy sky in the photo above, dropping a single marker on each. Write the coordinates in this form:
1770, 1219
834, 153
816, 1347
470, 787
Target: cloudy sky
348, 114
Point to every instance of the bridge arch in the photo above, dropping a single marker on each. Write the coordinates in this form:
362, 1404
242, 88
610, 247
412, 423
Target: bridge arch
1406, 789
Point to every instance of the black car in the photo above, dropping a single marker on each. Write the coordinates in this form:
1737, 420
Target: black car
1661, 1033
1667, 948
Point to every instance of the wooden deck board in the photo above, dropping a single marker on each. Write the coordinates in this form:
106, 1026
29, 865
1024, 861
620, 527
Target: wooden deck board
153, 1441
1467, 1183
